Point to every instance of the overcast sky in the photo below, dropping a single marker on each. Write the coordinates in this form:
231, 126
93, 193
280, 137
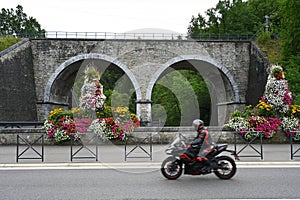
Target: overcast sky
112, 15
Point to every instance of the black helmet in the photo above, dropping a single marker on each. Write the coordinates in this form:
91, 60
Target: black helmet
197, 123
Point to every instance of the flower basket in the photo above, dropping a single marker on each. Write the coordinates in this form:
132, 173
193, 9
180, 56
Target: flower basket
274, 111
249, 127
92, 117
61, 127
290, 125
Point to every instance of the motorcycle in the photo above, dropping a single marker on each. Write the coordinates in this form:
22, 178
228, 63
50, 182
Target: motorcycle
182, 160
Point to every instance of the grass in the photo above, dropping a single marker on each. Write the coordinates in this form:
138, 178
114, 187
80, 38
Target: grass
271, 48
6, 42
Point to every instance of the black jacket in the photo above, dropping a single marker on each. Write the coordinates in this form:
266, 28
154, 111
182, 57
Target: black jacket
202, 139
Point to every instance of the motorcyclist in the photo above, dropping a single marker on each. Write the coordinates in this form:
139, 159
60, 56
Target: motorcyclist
201, 145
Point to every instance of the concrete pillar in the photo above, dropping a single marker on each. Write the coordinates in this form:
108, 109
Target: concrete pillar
143, 110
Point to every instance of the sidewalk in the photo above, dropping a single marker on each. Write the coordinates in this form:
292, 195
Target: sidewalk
116, 154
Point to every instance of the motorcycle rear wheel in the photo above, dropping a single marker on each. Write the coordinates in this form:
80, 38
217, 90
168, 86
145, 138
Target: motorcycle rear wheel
226, 167
171, 169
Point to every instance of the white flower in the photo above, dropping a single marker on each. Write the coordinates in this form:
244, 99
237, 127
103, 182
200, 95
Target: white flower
238, 123
100, 128
47, 125
274, 93
289, 124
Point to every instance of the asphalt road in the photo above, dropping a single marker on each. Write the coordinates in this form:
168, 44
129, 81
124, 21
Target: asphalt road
131, 183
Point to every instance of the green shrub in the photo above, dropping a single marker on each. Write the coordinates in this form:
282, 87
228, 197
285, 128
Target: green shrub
264, 37
6, 42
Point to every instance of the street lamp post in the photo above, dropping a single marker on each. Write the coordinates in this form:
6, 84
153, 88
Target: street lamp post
267, 23
0, 25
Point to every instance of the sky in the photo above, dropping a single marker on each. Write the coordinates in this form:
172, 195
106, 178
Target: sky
115, 16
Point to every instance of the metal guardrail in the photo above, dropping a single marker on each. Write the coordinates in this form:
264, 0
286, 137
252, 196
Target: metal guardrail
29, 144
133, 36
78, 145
20, 124
249, 143
132, 144
294, 149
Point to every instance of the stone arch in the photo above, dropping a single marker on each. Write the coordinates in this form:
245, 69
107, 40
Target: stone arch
169, 63
66, 64
230, 83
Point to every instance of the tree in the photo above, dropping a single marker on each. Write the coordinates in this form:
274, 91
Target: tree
290, 31
240, 19
280, 40
17, 23
263, 8
290, 40
236, 17
197, 25
292, 68
174, 94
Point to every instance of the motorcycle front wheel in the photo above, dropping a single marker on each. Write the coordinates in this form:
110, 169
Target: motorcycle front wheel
226, 167
171, 168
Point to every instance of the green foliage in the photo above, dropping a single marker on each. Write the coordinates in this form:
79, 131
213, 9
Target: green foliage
237, 17
17, 23
244, 17
235, 114
271, 48
174, 94
6, 42
58, 113
119, 99
280, 42
290, 31
108, 94
78, 85
264, 37
110, 77
262, 8
292, 68
200, 88
290, 37
106, 113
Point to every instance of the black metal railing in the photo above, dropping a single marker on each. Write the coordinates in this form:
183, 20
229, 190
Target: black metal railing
20, 124
295, 148
256, 151
129, 35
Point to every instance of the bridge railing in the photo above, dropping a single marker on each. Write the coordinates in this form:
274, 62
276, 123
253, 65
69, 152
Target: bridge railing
109, 35
134, 36
144, 36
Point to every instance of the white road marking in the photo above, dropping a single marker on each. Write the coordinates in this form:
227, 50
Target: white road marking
141, 165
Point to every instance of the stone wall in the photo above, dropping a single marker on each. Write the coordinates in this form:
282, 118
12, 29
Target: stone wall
17, 86
160, 135
258, 74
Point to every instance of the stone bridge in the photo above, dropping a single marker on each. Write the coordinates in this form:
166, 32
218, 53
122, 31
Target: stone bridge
37, 75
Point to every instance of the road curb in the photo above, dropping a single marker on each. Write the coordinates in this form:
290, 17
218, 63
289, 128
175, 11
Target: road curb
135, 165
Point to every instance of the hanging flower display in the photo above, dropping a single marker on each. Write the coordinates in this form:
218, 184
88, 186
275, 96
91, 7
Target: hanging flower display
92, 97
275, 109
277, 72
92, 116
289, 125
268, 126
60, 125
